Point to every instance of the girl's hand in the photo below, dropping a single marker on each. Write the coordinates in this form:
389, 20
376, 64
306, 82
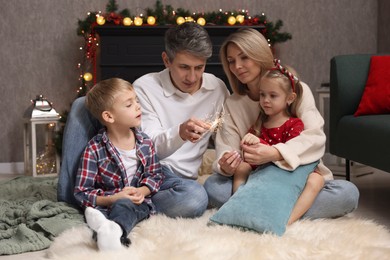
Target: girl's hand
250, 139
193, 129
260, 154
229, 162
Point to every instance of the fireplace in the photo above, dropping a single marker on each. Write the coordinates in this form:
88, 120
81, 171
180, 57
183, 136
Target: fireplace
130, 52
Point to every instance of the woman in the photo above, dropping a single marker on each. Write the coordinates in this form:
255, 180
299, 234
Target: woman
246, 56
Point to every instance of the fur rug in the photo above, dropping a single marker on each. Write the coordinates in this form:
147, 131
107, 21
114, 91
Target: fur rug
163, 238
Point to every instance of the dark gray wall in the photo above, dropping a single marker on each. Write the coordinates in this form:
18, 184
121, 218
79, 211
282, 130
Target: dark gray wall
40, 49
384, 26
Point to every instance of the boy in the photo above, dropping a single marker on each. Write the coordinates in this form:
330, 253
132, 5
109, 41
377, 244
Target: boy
119, 170
173, 103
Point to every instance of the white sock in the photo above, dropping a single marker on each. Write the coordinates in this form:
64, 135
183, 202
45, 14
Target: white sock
108, 232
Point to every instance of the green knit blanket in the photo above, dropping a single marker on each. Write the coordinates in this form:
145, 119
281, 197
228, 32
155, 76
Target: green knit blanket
30, 215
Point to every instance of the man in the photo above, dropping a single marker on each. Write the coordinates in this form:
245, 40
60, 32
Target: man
175, 105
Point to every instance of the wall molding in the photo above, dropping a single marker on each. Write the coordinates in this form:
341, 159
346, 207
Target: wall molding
12, 168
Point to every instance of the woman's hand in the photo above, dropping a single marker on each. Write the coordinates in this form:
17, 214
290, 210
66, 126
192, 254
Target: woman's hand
229, 162
260, 154
193, 129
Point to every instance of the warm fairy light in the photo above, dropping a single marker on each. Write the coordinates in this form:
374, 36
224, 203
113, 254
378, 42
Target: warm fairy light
138, 21
151, 20
189, 19
87, 76
240, 18
100, 20
180, 20
127, 21
231, 20
201, 21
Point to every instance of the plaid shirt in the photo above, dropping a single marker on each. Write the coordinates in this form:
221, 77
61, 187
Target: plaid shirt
102, 173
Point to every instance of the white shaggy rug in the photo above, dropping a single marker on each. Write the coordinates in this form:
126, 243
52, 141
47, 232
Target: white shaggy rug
163, 238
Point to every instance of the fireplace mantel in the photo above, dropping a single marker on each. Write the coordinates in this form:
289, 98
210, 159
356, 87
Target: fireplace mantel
129, 52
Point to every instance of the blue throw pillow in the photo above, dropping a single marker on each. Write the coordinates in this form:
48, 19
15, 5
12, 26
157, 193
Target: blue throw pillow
265, 202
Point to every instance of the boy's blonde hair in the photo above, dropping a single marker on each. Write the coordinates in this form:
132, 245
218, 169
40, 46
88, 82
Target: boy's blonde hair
102, 96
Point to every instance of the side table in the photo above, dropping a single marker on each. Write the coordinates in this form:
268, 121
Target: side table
30, 143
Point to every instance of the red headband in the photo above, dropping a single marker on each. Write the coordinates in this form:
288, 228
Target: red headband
285, 72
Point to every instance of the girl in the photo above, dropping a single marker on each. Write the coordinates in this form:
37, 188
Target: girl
280, 94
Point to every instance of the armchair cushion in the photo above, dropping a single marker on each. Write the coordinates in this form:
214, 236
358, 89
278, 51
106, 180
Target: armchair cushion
376, 95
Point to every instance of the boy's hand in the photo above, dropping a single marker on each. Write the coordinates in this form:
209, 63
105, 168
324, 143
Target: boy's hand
134, 194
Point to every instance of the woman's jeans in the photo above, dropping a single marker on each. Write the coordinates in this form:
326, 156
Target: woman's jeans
337, 197
178, 196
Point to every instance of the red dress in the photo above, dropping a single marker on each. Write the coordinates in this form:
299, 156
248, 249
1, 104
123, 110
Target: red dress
290, 129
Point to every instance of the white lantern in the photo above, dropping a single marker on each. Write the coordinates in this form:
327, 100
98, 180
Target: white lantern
40, 155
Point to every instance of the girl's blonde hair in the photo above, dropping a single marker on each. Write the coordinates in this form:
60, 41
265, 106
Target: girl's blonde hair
289, 84
255, 46
102, 96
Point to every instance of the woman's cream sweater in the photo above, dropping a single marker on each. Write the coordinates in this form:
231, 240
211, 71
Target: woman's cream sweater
241, 112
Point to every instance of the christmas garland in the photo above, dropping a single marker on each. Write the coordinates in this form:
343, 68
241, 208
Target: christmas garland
167, 15
162, 15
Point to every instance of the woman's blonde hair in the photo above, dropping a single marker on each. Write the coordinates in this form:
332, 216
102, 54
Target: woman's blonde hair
255, 46
102, 96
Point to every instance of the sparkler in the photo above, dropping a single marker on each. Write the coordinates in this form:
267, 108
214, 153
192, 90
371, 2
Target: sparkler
215, 121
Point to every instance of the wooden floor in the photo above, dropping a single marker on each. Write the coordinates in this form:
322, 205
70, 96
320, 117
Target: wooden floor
373, 203
374, 197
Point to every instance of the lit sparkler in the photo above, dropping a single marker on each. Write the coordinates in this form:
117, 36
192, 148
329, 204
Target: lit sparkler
215, 121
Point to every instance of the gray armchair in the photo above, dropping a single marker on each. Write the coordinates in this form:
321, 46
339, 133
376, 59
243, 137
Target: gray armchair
363, 139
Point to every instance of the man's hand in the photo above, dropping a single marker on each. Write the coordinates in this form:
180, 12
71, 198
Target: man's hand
193, 129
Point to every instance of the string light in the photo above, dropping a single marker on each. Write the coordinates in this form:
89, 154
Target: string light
241, 16
127, 21
151, 20
138, 21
